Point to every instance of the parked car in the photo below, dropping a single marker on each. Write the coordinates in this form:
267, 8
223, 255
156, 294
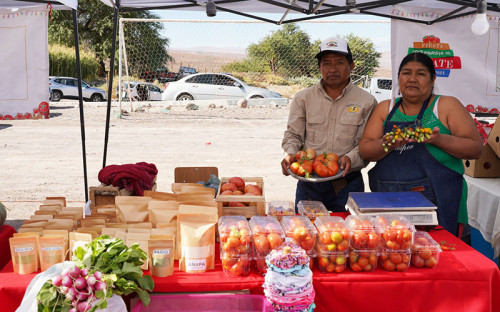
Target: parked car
141, 91
163, 75
379, 87
185, 71
213, 86
67, 88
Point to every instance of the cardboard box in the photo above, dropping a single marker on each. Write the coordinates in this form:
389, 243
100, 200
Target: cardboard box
105, 195
494, 138
487, 166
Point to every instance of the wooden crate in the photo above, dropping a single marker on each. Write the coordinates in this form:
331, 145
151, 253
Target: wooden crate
194, 174
105, 195
258, 203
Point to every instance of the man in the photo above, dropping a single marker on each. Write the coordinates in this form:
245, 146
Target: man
330, 117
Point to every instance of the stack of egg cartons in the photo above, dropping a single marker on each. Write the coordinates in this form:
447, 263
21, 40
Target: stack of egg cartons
288, 282
267, 235
364, 242
235, 247
332, 245
397, 234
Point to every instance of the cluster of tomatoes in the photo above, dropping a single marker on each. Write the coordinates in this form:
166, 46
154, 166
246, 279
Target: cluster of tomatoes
333, 243
398, 260
267, 235
307, 162
234, 233
238, 186
397, 233
364, 243
301, 230
425, 251
363, 260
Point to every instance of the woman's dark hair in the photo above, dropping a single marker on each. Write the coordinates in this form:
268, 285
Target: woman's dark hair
422, 58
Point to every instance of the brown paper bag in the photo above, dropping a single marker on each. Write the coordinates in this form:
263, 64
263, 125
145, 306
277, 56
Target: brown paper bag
56, 207
24, 253
189, 189
197, 242
24, 229
160, 195
132, 208
51, 250
162, 211
161, 255
58, 233
177, 187
190, 197
140, 225
41, 217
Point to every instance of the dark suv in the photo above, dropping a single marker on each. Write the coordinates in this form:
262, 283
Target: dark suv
162, 74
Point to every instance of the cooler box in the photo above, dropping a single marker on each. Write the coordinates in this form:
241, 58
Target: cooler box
206, 303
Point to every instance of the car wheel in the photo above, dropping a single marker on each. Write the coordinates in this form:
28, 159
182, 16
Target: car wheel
96, 97
185, 97
256, 97
56, 95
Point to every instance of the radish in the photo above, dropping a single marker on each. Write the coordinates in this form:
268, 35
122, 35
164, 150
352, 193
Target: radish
71, 294
63, 290
98, 275
84, 272
65, 272
81, 296
67, 281
80, 283
73, 310
91, 280
100, 285
74, 272
84, 306
57, 281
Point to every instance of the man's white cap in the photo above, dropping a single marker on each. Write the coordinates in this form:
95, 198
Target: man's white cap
334, 45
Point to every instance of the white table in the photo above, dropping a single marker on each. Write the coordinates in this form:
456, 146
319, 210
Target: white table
483, 205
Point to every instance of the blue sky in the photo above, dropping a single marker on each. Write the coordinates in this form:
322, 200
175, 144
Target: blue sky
236, 37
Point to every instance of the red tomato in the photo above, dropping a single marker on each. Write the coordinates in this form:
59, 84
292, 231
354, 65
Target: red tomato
306, 168
301, 155
275, 240
417, 262
261, 243
294, 167
307, 243
431, 262
323, 262
325, 168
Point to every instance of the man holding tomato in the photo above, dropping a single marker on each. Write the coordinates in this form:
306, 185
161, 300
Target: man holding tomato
330, 117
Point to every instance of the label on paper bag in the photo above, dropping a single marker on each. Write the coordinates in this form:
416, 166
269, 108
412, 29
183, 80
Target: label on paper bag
161, 252
196, 265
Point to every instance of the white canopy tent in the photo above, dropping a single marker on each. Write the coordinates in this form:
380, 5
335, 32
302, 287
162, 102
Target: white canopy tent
14, 5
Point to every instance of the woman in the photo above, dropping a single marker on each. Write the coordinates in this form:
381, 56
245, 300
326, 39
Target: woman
435, 166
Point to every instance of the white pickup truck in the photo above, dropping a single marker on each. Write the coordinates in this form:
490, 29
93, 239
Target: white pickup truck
379, 87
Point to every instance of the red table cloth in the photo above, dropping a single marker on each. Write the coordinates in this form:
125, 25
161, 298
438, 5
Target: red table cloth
464, 281
6, 232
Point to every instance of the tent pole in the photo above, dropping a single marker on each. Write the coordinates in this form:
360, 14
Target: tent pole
80, 101
110, 83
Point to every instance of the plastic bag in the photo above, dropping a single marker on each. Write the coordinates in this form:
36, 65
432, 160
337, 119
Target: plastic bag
29, 303
213, 182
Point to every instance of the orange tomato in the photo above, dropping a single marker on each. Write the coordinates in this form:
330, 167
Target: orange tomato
395, 258
323, 262
401, 267
340, 268
237, 269
363, 261
300, 233
343, 246
425, 254
431, 262
307, 243
257, 229
261, 244
330, 268
275, 240
356, 267
325, 238
388, 265
417, 262
372, 259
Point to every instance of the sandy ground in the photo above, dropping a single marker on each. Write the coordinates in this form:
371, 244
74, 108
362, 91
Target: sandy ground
42, 158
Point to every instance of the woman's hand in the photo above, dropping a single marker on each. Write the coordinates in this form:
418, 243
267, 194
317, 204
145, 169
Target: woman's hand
391, 142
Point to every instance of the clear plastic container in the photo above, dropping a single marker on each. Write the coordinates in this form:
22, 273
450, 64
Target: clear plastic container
332, 262
235, 264
396, 231
312, 209
363, 233
363, 260
425, 251
395, 260
333, 234
209, 302
279, 209
267, 234
260, 264
301, 231
234, 235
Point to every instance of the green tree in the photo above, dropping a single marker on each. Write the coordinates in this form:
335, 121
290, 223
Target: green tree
95, 29
287, 52
366, 58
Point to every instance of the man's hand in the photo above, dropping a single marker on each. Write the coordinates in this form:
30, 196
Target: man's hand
286, 162
345, 164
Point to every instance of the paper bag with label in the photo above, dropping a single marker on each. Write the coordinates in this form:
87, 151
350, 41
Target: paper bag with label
78, 240
52, 250
197, 233
162, 211
132, 208
161, 255
24, 253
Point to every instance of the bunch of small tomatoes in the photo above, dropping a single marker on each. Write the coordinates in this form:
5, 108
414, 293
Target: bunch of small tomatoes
324, 165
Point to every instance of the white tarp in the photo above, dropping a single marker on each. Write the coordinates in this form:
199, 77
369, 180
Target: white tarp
24, 63
17, 4
467, 65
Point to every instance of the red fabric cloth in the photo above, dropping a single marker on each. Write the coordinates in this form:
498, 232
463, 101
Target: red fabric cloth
134, 177
6, 232
464, 281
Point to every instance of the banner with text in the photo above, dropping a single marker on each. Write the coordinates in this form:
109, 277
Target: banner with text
467, 65
24, 64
